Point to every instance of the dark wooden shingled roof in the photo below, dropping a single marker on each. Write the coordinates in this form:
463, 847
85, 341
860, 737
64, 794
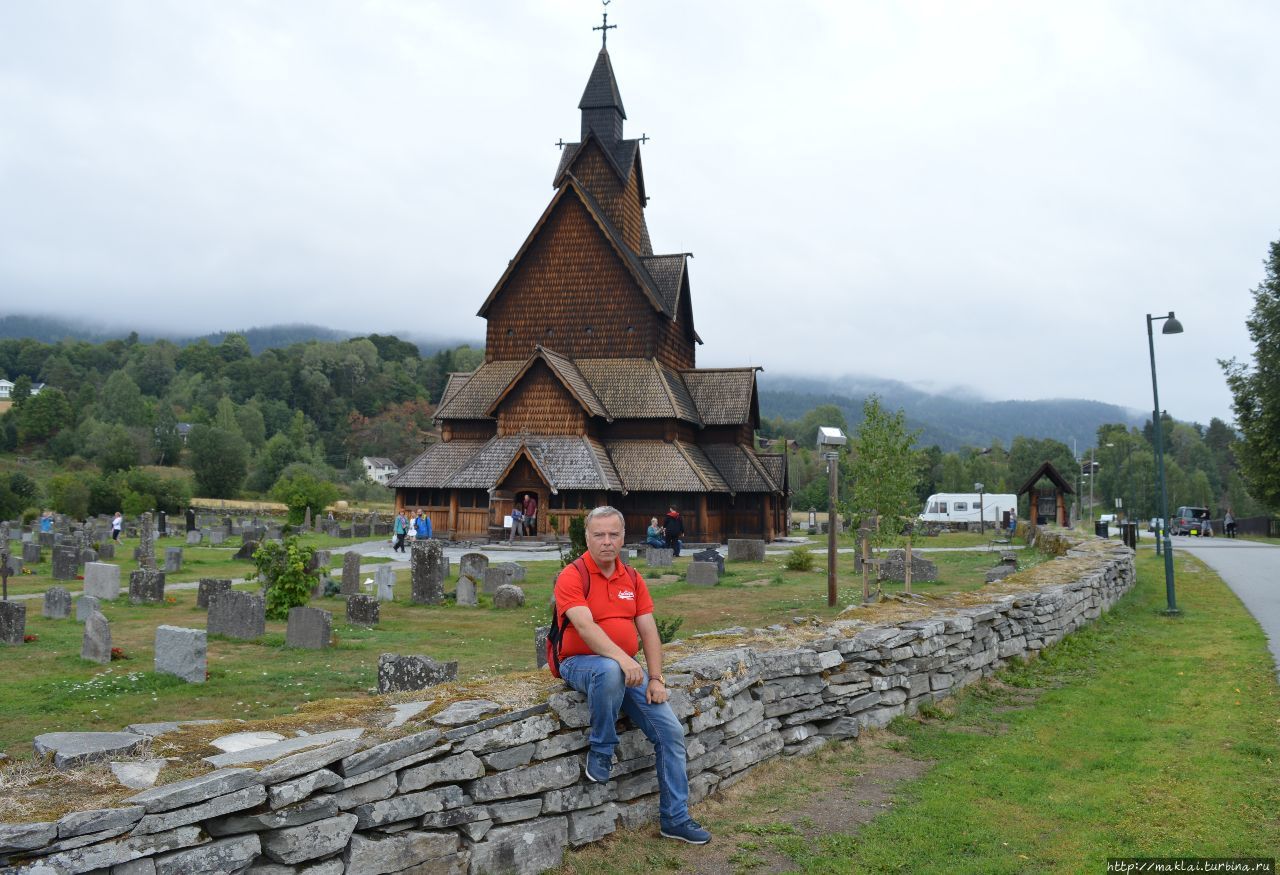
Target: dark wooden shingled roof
658, 466
776, 465
724, 396
620, 156
602, 87
639, 389
1046, 469
568, 374
436, 464
474, 395
668, 275
740, 468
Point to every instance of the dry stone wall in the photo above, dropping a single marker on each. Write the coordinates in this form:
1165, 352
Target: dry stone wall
507, 793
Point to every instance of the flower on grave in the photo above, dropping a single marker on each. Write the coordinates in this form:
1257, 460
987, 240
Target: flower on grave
27, 639
118, 653
170, 600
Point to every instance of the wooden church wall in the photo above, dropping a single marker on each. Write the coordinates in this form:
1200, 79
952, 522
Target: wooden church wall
540, 404
571, 280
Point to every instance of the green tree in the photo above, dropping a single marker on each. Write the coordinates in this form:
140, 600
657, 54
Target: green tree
283, 570
883, 470
219, 460
300, 489
1255, 390
167, 442
224, 416
112, 447
21, 390
69, 494
122, 401
42, 416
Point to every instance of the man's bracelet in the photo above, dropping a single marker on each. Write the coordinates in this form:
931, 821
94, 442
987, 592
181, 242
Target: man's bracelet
660, 679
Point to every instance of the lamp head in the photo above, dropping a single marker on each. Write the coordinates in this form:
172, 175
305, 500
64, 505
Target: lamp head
1171, 325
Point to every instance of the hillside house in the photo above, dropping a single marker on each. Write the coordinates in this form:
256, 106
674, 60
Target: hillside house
380, 469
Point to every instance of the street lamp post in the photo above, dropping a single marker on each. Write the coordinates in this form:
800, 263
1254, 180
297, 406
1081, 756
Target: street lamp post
1171, 326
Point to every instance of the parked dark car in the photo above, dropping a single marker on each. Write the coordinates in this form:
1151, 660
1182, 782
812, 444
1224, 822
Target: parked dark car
1190, 521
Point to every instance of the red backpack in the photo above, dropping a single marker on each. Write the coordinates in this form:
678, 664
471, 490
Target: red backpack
559, 623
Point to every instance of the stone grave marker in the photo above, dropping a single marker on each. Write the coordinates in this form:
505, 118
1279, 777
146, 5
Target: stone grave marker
46, 539
85, 606
494, 577
237, 614
893, 567
96, 644
350, 573
320, 560
466, 596
746, 550
306, 520
87, 555
66, 561
102, 580
397, 674
182, 653
172, 559
428, 569
659, 557
1000, 572
106, 550
473, 565
146, 542
194, 537
508, 596
540, 645
703, 574
711, 554
31, 553
208, 586
361, 530
57, 603
217, 537
516, 569
146, 585
13, 622
247, 548
362, 610
344, 531
384, 580
310, 628
274, 532
14, 564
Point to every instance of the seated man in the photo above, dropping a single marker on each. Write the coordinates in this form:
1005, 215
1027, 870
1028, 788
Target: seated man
598, 658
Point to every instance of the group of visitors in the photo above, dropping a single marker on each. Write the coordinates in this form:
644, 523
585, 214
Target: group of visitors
669, 534
524, 515
407, 528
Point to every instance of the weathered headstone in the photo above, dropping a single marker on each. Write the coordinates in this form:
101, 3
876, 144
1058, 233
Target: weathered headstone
398, 674
274, 532
106, 550
57, 603
540, 645
146, 585
194, 537
1000, 572
207, 587
96, 644
182, 653
217, 537
517, 571
306, 520
320, 559
146, 542
247, 548
893, 567
31, 553
466, 595
702, 574
361, 530
746, 550
87, 554
237, 614
13, 622
384, 580
311, 628
191, 519
362, 610
508, 596
473, 565
85, 606
14, 564
173, 559
711, 554
350, 573
66, 561
494, 577
659, 557
428, 569
102, 580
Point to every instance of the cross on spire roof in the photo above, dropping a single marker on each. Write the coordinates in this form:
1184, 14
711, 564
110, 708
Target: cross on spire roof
604, 30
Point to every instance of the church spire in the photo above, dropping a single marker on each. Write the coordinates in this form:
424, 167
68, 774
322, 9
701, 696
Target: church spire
601, 103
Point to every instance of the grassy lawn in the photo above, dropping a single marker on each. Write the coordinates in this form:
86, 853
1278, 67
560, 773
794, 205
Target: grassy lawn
945, 539
46, 687
1140, 736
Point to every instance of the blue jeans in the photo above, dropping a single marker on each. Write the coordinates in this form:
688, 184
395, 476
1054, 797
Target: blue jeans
601, 679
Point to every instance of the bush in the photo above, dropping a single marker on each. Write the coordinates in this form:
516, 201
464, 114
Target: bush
283, 569
300, 489
799, 559
667, 628
69, 494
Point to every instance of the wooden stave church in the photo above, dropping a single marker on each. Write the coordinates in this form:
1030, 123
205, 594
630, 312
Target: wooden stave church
581, 405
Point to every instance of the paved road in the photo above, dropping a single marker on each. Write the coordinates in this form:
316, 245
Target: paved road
1252, 570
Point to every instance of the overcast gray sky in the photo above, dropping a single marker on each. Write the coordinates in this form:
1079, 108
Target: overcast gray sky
987, 195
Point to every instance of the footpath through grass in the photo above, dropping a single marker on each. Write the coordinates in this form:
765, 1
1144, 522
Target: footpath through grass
1142, 736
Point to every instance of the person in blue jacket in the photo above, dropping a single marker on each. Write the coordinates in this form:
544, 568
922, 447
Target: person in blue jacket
423, 525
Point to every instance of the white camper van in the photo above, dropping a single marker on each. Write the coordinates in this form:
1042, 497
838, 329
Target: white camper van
968, 507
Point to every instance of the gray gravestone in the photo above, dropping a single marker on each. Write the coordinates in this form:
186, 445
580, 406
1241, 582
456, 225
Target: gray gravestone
46, 539
85, 606
746, 550
702, 574
320, 559
311, 628
57, 603
466, 596
247, 548
362, 610
508, 596
237, 614
107, 550
658, 557
306, 520
146, 542
31, 553
87, 555
893, 562
1000, 572
428, 569
102, 580
96, 644
361, 530
711, 554
15, 564
181, 653
172, 559
66, 561
473, 565
494, 577
217, 537
516, 569
398, 674
384, 580
146, 585
540, 645
350, 573
13, 622
207, 587
194, 537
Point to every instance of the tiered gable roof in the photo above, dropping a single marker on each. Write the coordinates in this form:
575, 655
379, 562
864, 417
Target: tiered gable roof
724, 396
653, 466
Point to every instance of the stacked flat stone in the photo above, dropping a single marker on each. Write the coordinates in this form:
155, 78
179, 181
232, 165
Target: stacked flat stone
505, 793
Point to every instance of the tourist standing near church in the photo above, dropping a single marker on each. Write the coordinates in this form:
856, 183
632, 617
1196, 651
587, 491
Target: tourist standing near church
674, 527
400, 528
609, 608
117, 523
424, 526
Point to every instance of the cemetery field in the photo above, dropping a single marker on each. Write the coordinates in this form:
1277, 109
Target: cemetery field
47, 687
1142, 736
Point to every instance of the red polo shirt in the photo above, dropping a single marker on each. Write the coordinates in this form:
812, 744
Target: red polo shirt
615, 602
